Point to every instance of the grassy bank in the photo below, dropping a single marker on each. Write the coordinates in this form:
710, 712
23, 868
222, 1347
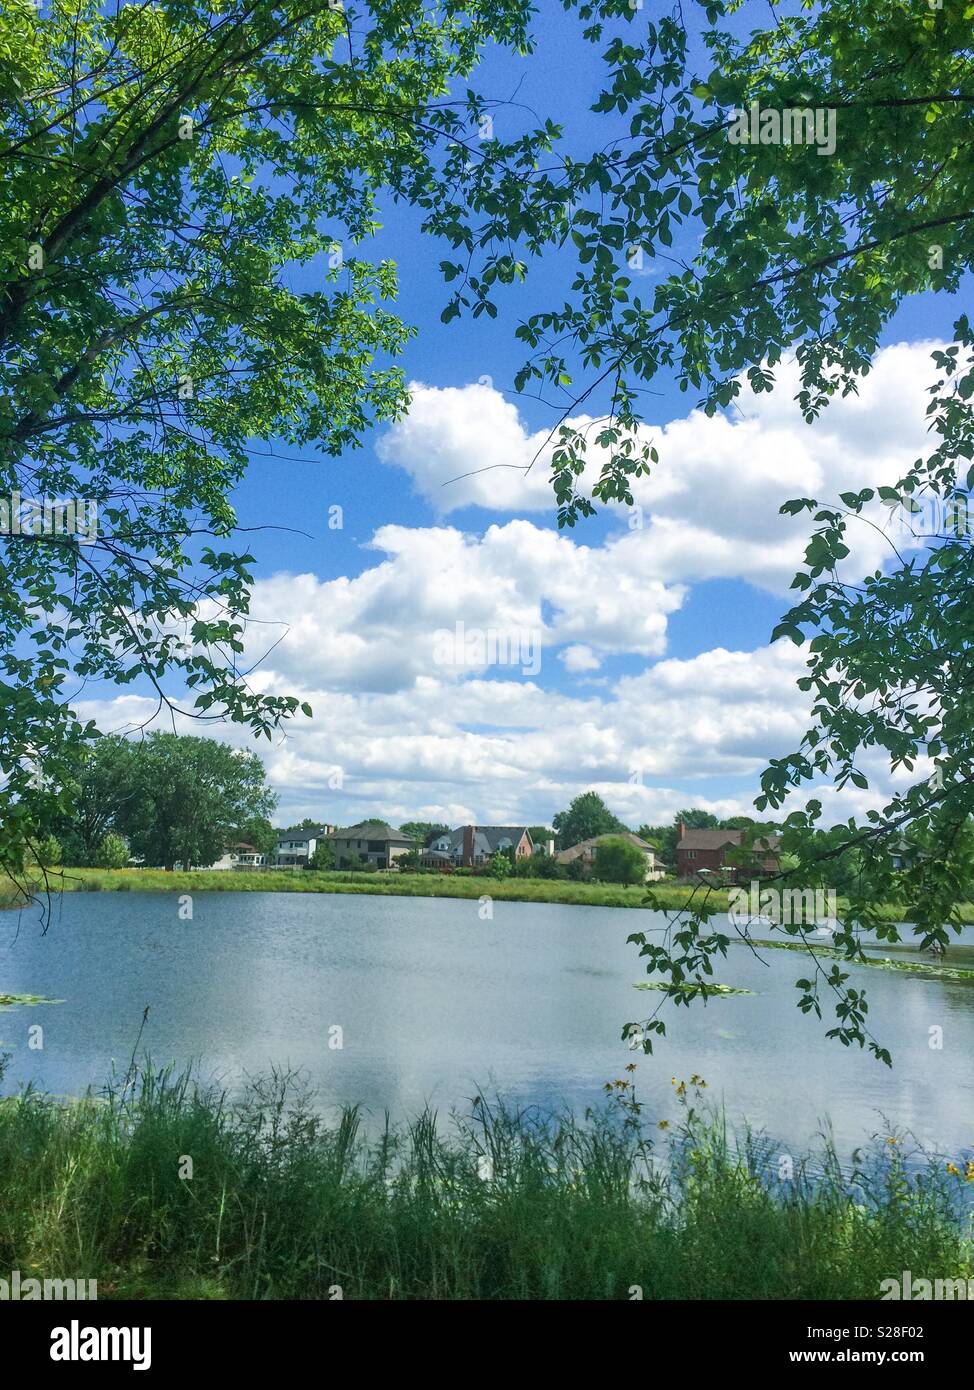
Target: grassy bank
284, 1205
529, 890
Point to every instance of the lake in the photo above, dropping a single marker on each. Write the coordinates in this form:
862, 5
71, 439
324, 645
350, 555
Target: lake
436, 1005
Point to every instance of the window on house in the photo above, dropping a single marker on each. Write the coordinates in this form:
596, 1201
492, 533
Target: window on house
691, 854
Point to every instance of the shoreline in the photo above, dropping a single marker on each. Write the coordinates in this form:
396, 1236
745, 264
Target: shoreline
528, 890
491, 1204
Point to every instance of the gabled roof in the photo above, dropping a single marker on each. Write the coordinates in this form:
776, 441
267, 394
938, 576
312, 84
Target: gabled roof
486, 838
565, 856
493, 834
315, 833
370, 830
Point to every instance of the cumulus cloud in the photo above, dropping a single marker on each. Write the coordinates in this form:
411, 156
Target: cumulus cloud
684, 732
488, 733
580, 658
516, 585
710, 508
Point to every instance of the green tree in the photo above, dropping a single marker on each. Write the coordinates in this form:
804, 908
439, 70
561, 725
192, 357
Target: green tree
257, 832
189, 797
499, 865
168, 168
323, 857
48, 852
768, 249
619, 861
423, 831
112, 853
586, 817
99, 783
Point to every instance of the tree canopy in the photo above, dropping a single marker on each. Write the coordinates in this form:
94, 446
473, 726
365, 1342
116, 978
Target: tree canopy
173, 799
619, 861
809, 255
586, 817
166, 167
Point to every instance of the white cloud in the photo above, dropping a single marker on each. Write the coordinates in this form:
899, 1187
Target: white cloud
413, 737
382, 630
580, 658
710, 508
683, 733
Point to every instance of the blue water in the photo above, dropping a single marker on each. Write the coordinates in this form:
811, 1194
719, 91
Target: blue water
436, 1005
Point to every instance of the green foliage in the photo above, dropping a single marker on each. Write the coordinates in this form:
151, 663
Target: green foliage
258, 832
173, 798
497, 1203
112, 853
425, 831
758, 248
539, 866
618, 861
167, 167
809, 253
323, 857
499, 865
48, 852
586, 817
303, 828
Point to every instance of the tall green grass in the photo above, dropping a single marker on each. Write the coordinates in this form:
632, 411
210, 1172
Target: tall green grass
384, 884
495, 1204
404, 885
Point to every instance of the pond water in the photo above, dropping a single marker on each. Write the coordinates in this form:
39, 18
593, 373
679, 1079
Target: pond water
436, 1006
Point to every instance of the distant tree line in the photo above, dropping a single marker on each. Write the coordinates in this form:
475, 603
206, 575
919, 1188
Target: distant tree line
164, 799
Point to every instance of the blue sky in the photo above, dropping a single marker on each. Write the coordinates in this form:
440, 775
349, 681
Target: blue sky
656, 682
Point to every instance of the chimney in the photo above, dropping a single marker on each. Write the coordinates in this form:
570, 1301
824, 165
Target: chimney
681, 830
550, 848
467, 859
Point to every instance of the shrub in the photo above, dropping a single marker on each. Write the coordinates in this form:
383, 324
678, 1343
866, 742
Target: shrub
618, 861
112, 853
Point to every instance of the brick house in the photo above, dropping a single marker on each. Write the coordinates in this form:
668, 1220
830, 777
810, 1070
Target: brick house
707, 851
473, 845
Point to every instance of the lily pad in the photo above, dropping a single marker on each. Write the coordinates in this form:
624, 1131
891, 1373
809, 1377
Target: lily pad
7, 1001
911, 967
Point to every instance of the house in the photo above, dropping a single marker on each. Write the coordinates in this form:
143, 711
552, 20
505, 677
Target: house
369, 842
295, 847
236, 856
472, 845
585, 851
711, 851
902, 855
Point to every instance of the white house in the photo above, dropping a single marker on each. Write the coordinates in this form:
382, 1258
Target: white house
239, 856
295, 847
